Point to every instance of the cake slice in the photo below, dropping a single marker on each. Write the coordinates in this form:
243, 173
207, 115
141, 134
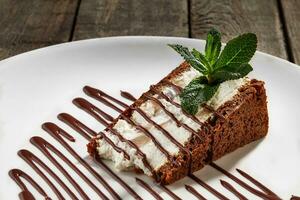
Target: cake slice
157, 137
202, 110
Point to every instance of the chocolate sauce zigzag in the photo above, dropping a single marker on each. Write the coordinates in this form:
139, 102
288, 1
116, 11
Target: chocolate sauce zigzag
16, 175
97, 113
59, 134
125, 94
86, 132
194, 192
230, 188
267, 195
32, 160
208, 187
97, 94
169, 192
147, 187
104, 118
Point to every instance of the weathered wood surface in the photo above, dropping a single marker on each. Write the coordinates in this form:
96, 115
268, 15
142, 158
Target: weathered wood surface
233, 17
31, 24
101, 18
291, 13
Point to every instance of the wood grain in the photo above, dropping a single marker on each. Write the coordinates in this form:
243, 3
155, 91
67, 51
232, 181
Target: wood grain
100, 18
31, 24
291, 13
233, 17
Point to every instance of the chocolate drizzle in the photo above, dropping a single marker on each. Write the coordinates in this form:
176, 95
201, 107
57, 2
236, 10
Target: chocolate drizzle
165, 133
97, 94
127, 95
255, 182
205, 106
58, 134
167, 190
172, 116
96, 112
104, 118
80, 127
44, 147
208, 188
230, 188
100, 94
295, 198
162, 95
177, 88
33, 161
194, 192
245, 185
16, 175
117, 178
148, 188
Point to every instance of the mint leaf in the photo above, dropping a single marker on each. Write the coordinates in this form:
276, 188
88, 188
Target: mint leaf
189, 57
195, 94
215, 68
238, 51
230, 73
213, 46
202, 59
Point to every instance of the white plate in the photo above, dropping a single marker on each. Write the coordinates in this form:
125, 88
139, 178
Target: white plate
38, 85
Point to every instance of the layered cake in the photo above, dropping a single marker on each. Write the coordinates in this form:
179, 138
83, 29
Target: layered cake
157, 137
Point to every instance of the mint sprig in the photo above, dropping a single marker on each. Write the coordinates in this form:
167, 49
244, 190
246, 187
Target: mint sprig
215, 66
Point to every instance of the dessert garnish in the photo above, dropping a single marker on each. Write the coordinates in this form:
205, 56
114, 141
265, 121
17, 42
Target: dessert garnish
215, 66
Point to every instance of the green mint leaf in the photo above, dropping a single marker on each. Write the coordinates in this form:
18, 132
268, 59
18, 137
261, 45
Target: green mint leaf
188, 57
213, 46
202, 59
216, 68
231, 73
196, 93
238, 51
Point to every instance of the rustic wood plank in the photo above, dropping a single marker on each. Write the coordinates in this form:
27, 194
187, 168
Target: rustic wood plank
31, 24
99, 18
233, 17
291, 13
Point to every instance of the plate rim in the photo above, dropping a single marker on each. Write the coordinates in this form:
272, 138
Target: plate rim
132, 37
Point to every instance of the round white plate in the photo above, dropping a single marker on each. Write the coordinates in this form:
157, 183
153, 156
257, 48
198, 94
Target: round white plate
38, 85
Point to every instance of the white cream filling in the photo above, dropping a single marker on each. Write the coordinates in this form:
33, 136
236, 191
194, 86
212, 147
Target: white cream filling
154, 156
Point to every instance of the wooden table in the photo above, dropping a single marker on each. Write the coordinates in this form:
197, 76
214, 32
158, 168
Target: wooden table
31, 24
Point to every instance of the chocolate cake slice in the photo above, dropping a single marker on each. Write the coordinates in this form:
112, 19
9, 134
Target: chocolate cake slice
157, 137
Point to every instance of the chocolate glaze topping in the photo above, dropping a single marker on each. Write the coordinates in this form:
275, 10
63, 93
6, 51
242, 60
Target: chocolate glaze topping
104, 118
